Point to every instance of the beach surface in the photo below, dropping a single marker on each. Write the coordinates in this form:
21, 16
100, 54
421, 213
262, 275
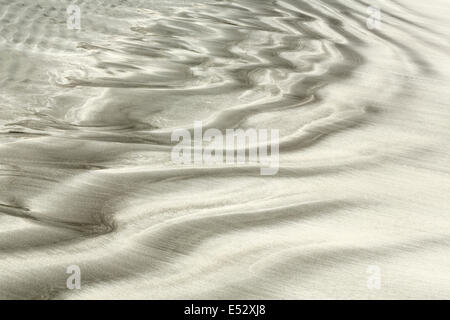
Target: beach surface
359, 91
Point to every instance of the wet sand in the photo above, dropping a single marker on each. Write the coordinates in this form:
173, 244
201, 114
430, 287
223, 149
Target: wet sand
87, 178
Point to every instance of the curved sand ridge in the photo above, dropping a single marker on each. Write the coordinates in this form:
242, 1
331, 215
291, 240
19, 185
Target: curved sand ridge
87, 178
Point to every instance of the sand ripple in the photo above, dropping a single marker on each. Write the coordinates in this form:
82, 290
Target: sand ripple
86, 176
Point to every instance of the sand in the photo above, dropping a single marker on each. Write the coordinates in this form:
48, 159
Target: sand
359, 208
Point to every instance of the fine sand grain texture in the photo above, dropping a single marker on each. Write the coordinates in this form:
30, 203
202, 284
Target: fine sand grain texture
359, 208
